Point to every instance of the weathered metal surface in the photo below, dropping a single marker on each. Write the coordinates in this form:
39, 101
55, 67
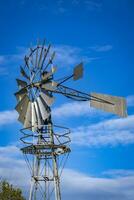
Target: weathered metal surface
24, 73
21, 83
22, 104
22, 115
28, 117
34, 118
108, 103
49, 100
38, 114
20, 94
78, 71
44, 113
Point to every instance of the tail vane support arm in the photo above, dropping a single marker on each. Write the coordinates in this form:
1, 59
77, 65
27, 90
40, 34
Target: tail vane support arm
77, 74
78, 95
107, 103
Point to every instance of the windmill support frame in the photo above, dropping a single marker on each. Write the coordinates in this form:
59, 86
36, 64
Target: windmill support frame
45, 145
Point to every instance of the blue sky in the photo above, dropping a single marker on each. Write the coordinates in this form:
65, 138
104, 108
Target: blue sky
99, 33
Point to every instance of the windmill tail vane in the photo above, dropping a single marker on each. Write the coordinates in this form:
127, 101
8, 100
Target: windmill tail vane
46, 145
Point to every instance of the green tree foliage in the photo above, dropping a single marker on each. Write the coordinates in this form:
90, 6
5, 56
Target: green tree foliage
8, 192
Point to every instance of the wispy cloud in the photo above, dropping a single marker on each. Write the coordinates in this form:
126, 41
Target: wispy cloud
13, 167
116, 173
3, 71
10, 60
78, 109
66, 56
130, 100
58, 8
69, 55
10, 151
81, 186
75, 109
66, 110
101, 48
92, 5
61, 8
2, 59
8, 117
108, 132
18, 57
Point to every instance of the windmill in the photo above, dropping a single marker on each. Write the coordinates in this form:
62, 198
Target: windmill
46, 146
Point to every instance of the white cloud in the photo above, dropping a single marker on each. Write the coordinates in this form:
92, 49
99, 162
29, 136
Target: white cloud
11, 60
7, 117
80, 186
74, 109
2, 59
71, 109
11, 151
103, 48
3, 71
66, 110
108, 132
59, 8
69, 55
78, 109
6, 59
92, 5
88, 5
75, 185
66, 56
118, 173
12, 166
130, 100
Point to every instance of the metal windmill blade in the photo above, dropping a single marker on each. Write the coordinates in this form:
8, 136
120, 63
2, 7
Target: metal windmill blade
33, 100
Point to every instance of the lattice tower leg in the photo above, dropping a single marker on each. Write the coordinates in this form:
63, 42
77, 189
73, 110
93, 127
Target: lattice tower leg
34, 182
55, 169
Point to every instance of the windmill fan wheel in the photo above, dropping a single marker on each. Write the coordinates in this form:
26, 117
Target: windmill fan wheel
34, 95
